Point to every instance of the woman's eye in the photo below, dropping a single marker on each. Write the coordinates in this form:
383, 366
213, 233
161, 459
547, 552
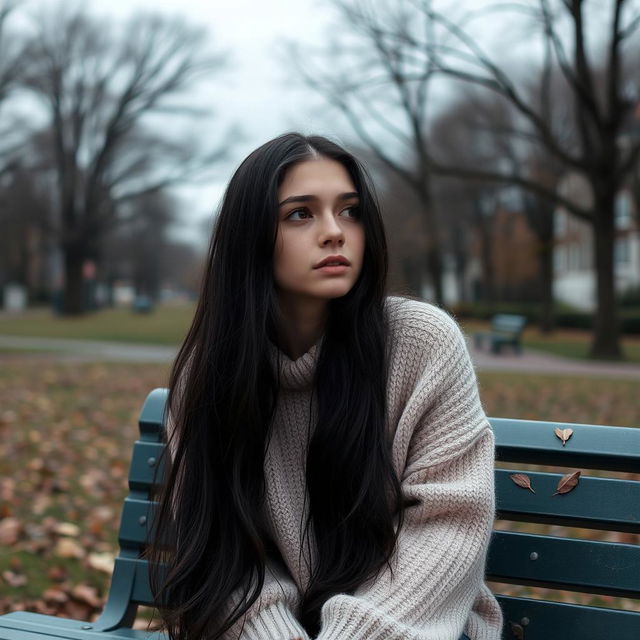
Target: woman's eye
351, 212
298, 214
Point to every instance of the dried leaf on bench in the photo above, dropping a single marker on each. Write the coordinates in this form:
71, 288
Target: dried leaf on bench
568, 482
522, 480
563, 434
516, 630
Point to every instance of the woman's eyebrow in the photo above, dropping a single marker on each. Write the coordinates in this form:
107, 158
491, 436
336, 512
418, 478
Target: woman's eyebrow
307, 198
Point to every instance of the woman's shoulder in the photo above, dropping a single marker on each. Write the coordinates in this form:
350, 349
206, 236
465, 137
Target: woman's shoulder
416, 320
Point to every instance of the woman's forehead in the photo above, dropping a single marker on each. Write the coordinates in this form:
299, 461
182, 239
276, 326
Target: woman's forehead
319, 177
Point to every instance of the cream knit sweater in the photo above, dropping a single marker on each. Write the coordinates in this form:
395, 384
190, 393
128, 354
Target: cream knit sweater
443, 451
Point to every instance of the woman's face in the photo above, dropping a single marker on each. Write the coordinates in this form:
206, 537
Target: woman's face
320, 242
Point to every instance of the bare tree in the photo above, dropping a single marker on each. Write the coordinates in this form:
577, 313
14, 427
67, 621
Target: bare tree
401, 47
137, 246
24, 207
10, 55
99, 87
602, 98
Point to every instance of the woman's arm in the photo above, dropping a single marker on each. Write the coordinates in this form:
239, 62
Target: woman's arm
272, 616
435, 587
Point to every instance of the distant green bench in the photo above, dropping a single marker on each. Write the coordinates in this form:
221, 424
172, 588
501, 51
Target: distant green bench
506, 330
609, 504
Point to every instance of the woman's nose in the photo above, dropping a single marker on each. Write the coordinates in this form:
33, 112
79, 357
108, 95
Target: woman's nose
331, 232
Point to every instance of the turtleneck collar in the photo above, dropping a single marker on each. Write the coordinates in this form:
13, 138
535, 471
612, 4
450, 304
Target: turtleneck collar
296, 375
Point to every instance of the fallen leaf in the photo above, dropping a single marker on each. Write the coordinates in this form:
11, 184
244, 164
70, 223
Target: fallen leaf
86, 594
10, 530
57, 573
67, 529
563, 434
76, 610
522, 480
55, 595
517, 630
68, 548
14, 579
102, 562
568, 482
39, 606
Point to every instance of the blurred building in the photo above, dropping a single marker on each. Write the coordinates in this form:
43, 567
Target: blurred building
573, 256
502, 262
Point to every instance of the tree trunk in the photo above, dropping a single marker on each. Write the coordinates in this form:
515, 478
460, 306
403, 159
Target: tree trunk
486, 258
434, 264
411, 276
547, 317
433, 235
606, 338
73, 301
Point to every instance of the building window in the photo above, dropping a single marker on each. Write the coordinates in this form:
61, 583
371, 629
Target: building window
623, 210
560, 222
622, 250
560, 256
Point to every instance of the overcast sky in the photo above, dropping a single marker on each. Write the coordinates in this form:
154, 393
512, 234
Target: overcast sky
256, 92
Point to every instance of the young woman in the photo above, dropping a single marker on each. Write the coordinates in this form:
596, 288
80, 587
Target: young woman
330, 455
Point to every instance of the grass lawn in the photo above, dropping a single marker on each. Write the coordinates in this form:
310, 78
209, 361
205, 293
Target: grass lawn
166, 325
570, 343
66, 432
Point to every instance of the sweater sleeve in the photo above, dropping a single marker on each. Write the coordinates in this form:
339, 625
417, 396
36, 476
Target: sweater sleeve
437, 571
272, 616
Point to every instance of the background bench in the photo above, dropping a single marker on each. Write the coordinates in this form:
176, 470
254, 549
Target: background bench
506, 329
611, 504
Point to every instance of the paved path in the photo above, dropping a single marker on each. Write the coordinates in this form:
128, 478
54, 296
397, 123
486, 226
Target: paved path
541, 362
94, 350
90, 350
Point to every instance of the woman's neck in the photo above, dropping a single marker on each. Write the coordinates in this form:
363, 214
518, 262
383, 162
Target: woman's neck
303, 325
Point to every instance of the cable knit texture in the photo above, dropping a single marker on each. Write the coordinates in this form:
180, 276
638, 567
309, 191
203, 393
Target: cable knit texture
443, 452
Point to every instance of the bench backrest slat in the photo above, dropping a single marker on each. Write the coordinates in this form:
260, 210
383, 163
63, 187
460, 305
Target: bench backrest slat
548, 620
565, 563
146, 465
137, 518
601, 503
590, 446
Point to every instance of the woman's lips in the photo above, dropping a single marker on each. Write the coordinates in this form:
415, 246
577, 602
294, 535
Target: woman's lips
333, 270
330, 261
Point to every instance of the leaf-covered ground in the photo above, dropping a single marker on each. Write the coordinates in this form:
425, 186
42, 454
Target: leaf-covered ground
66, 432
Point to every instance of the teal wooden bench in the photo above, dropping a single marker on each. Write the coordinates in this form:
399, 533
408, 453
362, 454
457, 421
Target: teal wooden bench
582, 565
506, 330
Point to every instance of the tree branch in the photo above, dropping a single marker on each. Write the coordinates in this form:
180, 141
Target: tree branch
529, 185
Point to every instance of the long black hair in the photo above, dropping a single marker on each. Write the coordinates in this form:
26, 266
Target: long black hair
223, 392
